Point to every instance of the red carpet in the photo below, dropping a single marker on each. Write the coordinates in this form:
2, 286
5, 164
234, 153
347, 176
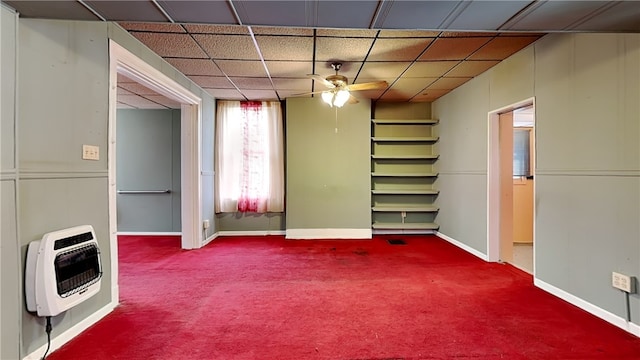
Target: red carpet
270, 298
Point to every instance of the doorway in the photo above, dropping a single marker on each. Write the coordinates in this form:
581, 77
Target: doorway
124, 62
511, 186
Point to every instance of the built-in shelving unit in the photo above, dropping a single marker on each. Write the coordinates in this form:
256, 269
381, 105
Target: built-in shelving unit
403, 173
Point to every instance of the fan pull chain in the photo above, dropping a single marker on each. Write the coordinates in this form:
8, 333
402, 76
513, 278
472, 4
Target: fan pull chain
336, 130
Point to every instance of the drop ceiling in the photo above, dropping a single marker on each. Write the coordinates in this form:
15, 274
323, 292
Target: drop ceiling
264, 50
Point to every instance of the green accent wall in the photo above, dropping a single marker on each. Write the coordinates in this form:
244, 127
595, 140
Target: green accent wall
587, 173
328, 165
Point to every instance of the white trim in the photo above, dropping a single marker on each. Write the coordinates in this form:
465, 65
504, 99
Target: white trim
72, 332
403, 232
250, 233
147, 233
493, 177
328, 233
210, 239
589, 307
462, 246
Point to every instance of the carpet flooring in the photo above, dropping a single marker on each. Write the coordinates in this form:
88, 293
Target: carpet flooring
271, 298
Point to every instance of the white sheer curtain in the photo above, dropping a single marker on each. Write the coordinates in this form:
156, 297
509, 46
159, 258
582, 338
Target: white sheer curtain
249, 157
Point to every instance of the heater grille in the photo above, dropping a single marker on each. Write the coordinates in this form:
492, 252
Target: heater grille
77, 269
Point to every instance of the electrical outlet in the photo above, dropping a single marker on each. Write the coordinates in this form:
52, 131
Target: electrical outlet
90, 152
623, 282
205, 224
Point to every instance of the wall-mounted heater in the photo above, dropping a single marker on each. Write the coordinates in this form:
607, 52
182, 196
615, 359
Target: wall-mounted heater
62, 270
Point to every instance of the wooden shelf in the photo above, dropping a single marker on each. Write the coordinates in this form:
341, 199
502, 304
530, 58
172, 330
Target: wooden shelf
405, 226
404, 208
378, 174
406, 122
404, 139
404, 157
404, 192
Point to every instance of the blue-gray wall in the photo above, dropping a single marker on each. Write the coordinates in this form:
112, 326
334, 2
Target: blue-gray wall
587, 189
148, 158
61, 93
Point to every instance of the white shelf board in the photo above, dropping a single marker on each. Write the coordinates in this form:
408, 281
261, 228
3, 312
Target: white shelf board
406, 226
405, 121
379, 174
404, 138
404, 192
399, 208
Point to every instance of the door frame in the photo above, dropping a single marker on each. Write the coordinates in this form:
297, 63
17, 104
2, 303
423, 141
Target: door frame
494, 213
124, 62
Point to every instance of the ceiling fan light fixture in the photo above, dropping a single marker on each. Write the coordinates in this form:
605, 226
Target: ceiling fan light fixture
341, 98
327, 96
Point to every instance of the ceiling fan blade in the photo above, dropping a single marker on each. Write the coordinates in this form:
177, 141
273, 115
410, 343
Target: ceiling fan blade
321, 80
368, 86
309, 93
352, 100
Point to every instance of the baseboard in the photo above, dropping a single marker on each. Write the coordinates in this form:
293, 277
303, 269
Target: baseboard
58, 341
148, 233
249, 233
402, 232
589, 307
462, 246
309, 234
209, 239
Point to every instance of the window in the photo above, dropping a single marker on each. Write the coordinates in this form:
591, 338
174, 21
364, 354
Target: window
521, 152
249, 157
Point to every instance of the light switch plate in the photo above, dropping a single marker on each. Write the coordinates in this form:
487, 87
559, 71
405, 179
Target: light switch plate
90, 152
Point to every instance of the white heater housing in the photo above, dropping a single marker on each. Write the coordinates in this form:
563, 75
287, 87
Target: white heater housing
62, 270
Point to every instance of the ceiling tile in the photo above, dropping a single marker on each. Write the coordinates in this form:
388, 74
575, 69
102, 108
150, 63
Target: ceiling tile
623, 16
260, 83
270, 30
52, 10
402, 49
467, 34
285, 94
430, 68
152, 27
414, 14
383, 70
215, 12
342, 14
453, 48
448, 83
486, 15
300, 84
407, 33
273, 13
471, 68
217, 29
342, 49
347, 33
171, 45
120, 105
554, 15
122, 91
429, 95
195, 66
137, 88
237, 47
292, 69
214, 82
172, 104
260, 94
139, 11
124, 79
348, 69
139, 102
242, 68
410, 86
226, 94
295, 48
502, 47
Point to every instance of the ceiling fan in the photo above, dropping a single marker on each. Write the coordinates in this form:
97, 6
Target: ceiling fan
339, 91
